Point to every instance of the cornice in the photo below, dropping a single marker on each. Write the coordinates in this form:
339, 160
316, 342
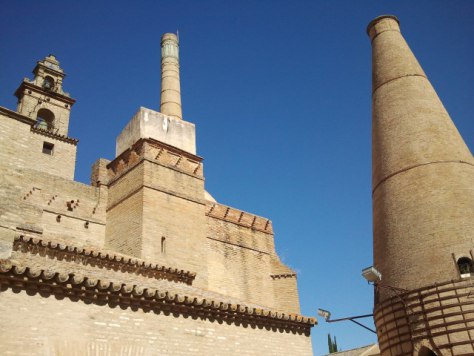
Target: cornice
34, 245
114, 294
239, 217
56, 136
158, 153
26, 85
14, 115
283, 275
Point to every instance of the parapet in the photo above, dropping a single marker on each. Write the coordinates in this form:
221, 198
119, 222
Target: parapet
239, 217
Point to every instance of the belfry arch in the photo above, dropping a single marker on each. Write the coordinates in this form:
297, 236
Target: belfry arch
45, 119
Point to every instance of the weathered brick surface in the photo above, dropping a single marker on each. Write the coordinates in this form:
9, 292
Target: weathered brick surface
89, 329
440, 317
21, 147
423, 206
242, 261
223, 289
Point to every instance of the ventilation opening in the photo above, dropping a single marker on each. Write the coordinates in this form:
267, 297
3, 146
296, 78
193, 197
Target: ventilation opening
465, 267
48, 148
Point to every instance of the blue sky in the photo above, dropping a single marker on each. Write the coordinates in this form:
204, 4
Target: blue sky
280, 92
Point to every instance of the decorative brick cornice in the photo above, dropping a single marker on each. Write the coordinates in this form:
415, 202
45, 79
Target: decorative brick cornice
283, 275
58, 96
56, 136
107, 260
156, 152
239, 217
117, 294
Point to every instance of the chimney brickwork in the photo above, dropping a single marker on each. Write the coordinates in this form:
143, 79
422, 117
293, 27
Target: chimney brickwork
423, 201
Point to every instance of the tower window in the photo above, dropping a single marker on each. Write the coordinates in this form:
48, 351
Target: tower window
48, 148
45, 119
465, 267
48, 83
163, 245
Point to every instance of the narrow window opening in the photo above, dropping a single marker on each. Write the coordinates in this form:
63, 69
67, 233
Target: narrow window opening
48, 148
163, 245
465, 267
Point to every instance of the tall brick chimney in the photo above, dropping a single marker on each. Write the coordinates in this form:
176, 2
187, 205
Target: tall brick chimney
170, 85
422, 173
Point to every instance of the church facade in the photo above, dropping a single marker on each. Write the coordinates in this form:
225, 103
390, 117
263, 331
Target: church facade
143, 261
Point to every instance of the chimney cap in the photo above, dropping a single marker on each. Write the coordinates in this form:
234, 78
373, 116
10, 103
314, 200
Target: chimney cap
379, 18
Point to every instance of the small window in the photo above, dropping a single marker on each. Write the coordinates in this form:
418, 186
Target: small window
163, 245
465, 267
48, 148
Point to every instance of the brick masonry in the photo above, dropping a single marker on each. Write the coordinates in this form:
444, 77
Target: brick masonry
139, 262
423, 207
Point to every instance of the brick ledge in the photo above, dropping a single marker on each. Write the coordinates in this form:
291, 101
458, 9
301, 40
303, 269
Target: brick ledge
113, 294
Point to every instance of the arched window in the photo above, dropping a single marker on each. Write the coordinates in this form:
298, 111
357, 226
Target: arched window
424, 351
45, 119
48, 83
465, 266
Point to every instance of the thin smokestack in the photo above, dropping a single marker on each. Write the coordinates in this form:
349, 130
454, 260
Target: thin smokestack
170, 85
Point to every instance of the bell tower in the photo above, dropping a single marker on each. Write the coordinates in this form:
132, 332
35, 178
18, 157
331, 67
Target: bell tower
43, 98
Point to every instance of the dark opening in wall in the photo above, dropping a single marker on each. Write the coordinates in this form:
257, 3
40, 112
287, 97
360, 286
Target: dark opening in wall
465, 266
48, 148
48, 83
424, 351
163, 244
45, 120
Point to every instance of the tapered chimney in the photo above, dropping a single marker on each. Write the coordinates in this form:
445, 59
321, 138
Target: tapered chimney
170, 85
422, 173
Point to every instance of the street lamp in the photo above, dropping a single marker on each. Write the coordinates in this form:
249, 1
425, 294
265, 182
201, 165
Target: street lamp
371, 274
327, 315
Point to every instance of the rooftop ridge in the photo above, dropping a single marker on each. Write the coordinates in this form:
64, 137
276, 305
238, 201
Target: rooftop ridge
239, 217
112, 294
106, 259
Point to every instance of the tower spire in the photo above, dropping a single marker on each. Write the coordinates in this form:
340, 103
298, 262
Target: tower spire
422, 171
170, 84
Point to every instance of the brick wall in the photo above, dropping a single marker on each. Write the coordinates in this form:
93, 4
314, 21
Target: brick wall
22, 147
75, 328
